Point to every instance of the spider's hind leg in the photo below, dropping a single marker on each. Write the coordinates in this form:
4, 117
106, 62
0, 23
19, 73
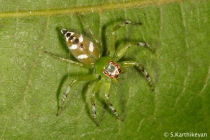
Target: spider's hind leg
111, 49
87, 26
76, 79
66, 60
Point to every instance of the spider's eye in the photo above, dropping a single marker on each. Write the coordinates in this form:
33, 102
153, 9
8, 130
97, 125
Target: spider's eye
113, 70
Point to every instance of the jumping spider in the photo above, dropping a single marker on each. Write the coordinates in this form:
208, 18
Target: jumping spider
105, 68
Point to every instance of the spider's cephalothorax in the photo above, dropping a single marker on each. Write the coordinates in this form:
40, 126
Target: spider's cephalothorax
105, 68
113, 70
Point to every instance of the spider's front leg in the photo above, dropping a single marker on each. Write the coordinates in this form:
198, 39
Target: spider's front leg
97, 86
107, 91
141, 68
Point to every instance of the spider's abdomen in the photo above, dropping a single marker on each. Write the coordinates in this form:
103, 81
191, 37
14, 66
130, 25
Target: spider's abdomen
82, 48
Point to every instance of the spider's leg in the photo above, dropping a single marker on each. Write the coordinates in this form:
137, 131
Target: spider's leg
113, 35
97, 86
125, 48
107, 91
80, 17
66, 60
141, 68
76, 79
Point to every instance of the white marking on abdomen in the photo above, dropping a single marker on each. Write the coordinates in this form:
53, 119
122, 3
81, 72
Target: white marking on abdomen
73, 47
81, 38
67, 38
91, 47
82, 56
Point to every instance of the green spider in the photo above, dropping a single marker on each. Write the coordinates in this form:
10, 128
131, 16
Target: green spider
105, 68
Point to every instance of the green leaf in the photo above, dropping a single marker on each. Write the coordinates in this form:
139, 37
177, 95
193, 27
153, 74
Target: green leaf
180, 69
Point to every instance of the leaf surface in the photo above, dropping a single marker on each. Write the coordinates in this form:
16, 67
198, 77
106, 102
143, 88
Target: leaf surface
179, 33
